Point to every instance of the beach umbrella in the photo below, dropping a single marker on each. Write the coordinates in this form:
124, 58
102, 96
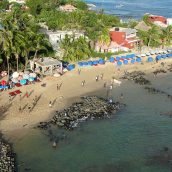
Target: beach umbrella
3, 82
23, 81
15, 80
101, 61
133, 61
138, 59
31, 79
90, 63
118, 58
111, 59
95, 62
125, 62
32, 75
80, 64
26, 76
85, 63
158, 57
15, 75
150, 59
119, 63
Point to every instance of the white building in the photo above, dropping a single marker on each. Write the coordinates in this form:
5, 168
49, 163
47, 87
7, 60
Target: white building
55, 37
169, 21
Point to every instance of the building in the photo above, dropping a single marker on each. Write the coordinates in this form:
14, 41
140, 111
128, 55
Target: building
142, 26
17, 1
169, 21
55, 37
125, 37
112, 47
47, 66
155, 18
67, 8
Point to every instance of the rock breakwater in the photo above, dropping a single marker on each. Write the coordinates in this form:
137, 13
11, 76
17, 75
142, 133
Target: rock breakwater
137, 77
7, 157
89, 107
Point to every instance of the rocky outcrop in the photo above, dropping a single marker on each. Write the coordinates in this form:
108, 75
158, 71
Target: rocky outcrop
88, 108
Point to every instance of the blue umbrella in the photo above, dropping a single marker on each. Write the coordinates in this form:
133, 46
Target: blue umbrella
138, 59
118, 58
133, 61
119, 63
111, 59
23, 82
90, 63
125, 62
150, 59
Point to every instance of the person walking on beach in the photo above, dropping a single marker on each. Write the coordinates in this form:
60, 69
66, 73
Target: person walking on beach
9, 98
111, 87
97, 78
101, 76
83, 83
50, 104
79, 71
121, 96
57, 87
105, 84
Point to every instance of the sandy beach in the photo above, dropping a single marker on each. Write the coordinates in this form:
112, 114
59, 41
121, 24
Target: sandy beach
14, 119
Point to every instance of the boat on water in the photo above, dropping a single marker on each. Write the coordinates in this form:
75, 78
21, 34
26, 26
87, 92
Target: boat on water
119, 6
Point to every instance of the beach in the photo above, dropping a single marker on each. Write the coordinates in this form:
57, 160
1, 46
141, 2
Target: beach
134, 133
70, 91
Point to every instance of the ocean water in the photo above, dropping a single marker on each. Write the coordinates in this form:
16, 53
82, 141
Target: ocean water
125, 143
134, 8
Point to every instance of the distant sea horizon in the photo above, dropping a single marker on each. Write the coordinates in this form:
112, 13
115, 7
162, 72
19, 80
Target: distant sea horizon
127, 9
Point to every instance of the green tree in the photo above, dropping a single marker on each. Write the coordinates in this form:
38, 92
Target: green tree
6, 45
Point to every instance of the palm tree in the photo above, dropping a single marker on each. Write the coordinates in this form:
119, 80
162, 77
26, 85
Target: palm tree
40, 42
6, 45
17, 44
167, 35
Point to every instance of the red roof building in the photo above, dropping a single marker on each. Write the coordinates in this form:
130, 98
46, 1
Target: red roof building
154, 18
125, 37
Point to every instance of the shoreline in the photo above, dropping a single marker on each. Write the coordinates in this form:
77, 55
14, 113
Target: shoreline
16, 122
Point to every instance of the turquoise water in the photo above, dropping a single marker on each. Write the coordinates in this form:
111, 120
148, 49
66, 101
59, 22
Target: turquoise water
134, 8
123, 143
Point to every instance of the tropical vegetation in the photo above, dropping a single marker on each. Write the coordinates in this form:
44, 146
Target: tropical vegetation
20, 39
